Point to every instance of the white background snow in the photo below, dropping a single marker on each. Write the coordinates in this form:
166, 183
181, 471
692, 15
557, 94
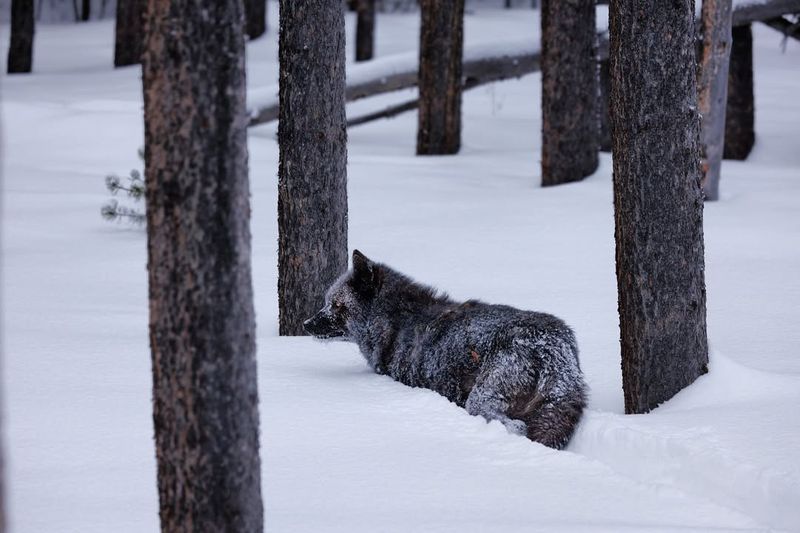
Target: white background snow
344, 449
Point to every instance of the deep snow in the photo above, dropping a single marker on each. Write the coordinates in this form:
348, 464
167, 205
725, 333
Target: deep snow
344, 449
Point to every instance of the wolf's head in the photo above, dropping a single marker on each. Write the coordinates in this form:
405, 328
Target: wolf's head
348, 301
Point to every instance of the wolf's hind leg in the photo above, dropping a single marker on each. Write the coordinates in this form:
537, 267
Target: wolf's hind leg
492, 408
498, 389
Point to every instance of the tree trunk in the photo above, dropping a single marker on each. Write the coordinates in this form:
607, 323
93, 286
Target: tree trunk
739, 117
570, 128
658, 202
256, 17
3, 491
712, 90
365, 30
20, 50
202, 323
129, 33
605, 105
440, 63
312, 174
86, 10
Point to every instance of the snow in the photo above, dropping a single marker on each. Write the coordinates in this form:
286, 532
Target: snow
344, 449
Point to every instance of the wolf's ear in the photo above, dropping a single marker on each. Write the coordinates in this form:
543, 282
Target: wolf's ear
366, 274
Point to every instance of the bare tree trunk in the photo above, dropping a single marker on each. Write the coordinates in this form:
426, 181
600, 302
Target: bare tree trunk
570, 128
740, 115
20, 50
605, 105
129, 32
312, 174
86, 10
256, 17
712, 90
365, 30
3, 492
658, 205
440, 63
202, 323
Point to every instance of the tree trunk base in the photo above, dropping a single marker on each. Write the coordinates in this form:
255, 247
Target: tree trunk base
740, 115
570, 125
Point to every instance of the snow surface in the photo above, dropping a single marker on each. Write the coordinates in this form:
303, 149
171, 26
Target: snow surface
344, 449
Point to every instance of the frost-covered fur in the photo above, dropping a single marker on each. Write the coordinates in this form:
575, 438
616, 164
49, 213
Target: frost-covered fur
518, 367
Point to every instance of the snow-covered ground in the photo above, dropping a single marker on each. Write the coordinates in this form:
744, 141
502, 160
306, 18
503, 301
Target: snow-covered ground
344, 449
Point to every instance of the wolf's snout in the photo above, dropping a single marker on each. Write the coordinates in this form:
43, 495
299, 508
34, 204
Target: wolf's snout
322, 326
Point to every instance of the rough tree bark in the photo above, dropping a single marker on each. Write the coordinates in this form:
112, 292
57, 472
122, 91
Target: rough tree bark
605, 105
570, 127
312, 173
86, 10
3, 492
129, 32
658, 203
740, 114
202, 323
365, 29
712, 90
20, 50
256, 17
440, 63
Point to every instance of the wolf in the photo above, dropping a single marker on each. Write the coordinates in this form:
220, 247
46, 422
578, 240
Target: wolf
518, 367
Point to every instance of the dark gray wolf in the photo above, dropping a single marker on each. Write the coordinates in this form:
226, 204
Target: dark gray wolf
518, 367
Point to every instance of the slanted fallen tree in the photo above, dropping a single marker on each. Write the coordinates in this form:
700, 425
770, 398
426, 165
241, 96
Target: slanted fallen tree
747, 11
785, 26
479, 72
483, 64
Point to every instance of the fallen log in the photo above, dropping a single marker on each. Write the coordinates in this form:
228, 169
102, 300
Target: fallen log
510, 60
482, 72
482, 64
408, 105
785, 26
489, 62
747, 11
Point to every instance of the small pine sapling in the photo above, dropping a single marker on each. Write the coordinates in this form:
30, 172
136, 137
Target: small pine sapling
133, 187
